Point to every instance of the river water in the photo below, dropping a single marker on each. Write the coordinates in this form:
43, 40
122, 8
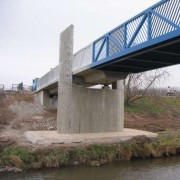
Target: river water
156, 169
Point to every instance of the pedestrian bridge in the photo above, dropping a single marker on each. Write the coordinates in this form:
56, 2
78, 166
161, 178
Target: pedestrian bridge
148, 41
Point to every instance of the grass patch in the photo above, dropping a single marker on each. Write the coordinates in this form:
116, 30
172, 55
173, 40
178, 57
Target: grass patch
155, 106
17, 156
139, 147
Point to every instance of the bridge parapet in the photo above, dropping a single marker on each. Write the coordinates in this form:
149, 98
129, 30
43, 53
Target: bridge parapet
48, 79
81, 58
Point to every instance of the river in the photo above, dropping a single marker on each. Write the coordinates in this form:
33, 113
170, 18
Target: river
155, 169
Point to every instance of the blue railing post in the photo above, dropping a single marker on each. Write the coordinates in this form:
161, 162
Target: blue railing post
99, 50
93, 52
107, 45
137, 30
125, 36
149, 26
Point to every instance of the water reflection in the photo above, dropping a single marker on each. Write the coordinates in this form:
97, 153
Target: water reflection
157, 169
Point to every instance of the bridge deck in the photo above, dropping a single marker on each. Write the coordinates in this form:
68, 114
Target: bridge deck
157, 56
148, 41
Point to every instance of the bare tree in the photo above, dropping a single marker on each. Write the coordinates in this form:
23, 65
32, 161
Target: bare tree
137, 85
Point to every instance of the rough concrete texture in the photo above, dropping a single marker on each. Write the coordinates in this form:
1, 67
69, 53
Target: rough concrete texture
64, 112
47, 101
91, 110
83, 110
52, 104
52, 137
66, 57
43, 97
48, 79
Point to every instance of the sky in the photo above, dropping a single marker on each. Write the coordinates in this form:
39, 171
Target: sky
30, 29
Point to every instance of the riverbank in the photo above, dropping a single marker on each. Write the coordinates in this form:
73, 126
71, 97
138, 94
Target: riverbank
23, 112
55, 156
160, 114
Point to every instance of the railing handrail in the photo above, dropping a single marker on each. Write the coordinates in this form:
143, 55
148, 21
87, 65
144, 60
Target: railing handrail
129, 20
139, 20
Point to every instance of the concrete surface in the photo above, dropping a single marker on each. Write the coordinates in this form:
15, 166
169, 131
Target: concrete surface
84, 110
48, 79
80, 59
64, 111
47, 100
90, 110
52, 137
43, 97
93, 77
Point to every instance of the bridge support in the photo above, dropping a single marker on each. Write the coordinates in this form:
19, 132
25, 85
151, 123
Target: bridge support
81, 109
43, 97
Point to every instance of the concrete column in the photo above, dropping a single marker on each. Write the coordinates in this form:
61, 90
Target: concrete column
65, 81
85, 110
43, 97
119, 85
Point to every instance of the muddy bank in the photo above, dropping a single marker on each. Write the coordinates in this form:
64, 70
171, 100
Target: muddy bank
56, 156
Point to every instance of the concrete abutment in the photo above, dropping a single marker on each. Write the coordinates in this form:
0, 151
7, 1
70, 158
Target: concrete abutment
46, 99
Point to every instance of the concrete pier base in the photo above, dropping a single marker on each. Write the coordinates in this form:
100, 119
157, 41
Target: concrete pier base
52, 137
91, 110
81, 109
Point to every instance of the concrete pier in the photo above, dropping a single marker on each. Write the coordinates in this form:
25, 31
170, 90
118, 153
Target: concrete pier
43, 97
81, 109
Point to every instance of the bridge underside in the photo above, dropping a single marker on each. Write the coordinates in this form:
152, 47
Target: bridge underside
158, 56
154, 57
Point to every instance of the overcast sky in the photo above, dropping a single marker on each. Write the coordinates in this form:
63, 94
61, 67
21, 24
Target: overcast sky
29, 32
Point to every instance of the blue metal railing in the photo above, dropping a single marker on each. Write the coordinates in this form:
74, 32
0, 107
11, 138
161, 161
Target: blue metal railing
152, 24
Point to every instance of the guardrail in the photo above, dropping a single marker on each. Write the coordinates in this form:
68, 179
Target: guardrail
82, 58
49, 78
155, 22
